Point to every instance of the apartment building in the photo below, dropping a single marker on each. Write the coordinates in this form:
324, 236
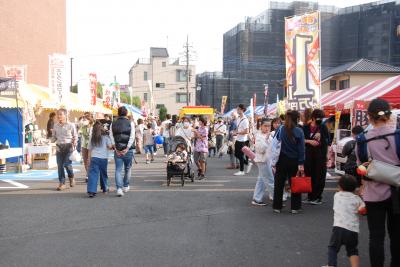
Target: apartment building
161, 81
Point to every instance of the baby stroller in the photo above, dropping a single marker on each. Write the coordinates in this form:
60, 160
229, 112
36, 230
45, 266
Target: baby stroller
173, 169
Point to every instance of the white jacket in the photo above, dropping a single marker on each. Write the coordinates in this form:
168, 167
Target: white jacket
261, 147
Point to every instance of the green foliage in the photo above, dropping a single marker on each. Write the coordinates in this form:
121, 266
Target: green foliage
124, 98
99, 90
162, 113
136, 102
74, 88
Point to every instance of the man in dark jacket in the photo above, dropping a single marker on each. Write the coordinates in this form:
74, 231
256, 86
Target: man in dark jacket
122, 134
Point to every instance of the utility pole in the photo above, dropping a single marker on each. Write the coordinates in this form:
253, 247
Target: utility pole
187, 69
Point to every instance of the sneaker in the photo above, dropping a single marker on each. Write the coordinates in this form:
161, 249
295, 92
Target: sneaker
306, 201
147, 162
295, 211
61, 187
91, 195
202, 177
258, 203
249, 167
277, 211
239, 173
126, 189
316, 202
120, 193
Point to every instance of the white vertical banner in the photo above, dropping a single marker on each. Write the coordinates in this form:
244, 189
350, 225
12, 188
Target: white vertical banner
58, 80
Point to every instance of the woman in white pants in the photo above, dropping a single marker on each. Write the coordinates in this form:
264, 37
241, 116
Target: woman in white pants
263, 162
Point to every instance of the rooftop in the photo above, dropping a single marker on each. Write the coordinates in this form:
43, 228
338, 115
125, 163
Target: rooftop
363, 66
158, 52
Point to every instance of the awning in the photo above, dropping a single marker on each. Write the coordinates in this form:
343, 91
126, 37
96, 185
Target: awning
388, 89
259, 110
6, 102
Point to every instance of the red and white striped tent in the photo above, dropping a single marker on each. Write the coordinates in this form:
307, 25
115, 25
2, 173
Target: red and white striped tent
388, 89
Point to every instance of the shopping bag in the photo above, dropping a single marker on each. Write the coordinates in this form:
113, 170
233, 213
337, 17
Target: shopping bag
300, 185
383, 172
247, 151
75, 156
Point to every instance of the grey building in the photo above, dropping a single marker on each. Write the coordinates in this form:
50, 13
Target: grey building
253, 51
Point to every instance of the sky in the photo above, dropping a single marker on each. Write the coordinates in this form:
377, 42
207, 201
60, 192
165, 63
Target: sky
108, 36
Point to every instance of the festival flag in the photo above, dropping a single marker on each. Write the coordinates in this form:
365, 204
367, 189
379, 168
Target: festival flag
266, 97
223, 103
58, 77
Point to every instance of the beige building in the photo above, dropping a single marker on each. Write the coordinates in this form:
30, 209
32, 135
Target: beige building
30, 31
167, 79
355, 73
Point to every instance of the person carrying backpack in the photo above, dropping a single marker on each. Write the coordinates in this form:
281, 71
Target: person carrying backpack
349, 151
381, 143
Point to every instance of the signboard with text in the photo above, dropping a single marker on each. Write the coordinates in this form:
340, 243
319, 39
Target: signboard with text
223, 103
93, 88
18, 72
58, 77
360, 114
303, 60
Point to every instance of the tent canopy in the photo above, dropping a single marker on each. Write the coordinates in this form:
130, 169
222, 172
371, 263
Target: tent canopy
388, 89
259, 110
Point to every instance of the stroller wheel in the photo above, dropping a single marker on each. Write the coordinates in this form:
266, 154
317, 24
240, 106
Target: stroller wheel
168, 180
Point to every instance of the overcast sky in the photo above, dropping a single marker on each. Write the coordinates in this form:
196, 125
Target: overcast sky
108, 36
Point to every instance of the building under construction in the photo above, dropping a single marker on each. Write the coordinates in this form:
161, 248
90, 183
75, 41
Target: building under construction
253, 51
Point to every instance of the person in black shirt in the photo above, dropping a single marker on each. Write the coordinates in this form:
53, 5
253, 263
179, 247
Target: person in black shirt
50, 125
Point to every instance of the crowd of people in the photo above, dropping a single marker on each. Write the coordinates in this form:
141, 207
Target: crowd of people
293, 145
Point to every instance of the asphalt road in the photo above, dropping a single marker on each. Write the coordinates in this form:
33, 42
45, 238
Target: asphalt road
207, 223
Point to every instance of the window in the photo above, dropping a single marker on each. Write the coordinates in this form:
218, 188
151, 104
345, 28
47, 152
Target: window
145, 97
181, 75
145, 76
344, 84
160, 85
158, 106
181, 97
332, 84
164, 64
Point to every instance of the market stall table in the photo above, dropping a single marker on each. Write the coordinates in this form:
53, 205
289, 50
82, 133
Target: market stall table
43, 156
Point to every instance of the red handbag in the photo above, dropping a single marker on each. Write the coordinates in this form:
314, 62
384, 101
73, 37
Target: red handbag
301, 185
247, 151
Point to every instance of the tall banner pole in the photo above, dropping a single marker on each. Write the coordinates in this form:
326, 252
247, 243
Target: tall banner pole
266, 98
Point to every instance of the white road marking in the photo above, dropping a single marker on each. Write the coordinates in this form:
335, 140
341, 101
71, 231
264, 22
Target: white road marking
15, 184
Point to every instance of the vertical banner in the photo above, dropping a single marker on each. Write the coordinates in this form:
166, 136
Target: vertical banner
266, 97
223, 103
107, 96
303, 60
17, 72
116, 95
58, 78
93, 88
360, 114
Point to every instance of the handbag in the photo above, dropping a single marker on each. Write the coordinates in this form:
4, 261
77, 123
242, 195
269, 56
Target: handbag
383, 172
300, 185
247, 151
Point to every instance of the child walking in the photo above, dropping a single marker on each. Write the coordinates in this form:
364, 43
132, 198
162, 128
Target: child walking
263, 162
347, 205
99, 144
148, 141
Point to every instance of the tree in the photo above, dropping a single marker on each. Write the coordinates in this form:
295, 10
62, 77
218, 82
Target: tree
74, 88
136, 102
162, 113
124, 98
99, 90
